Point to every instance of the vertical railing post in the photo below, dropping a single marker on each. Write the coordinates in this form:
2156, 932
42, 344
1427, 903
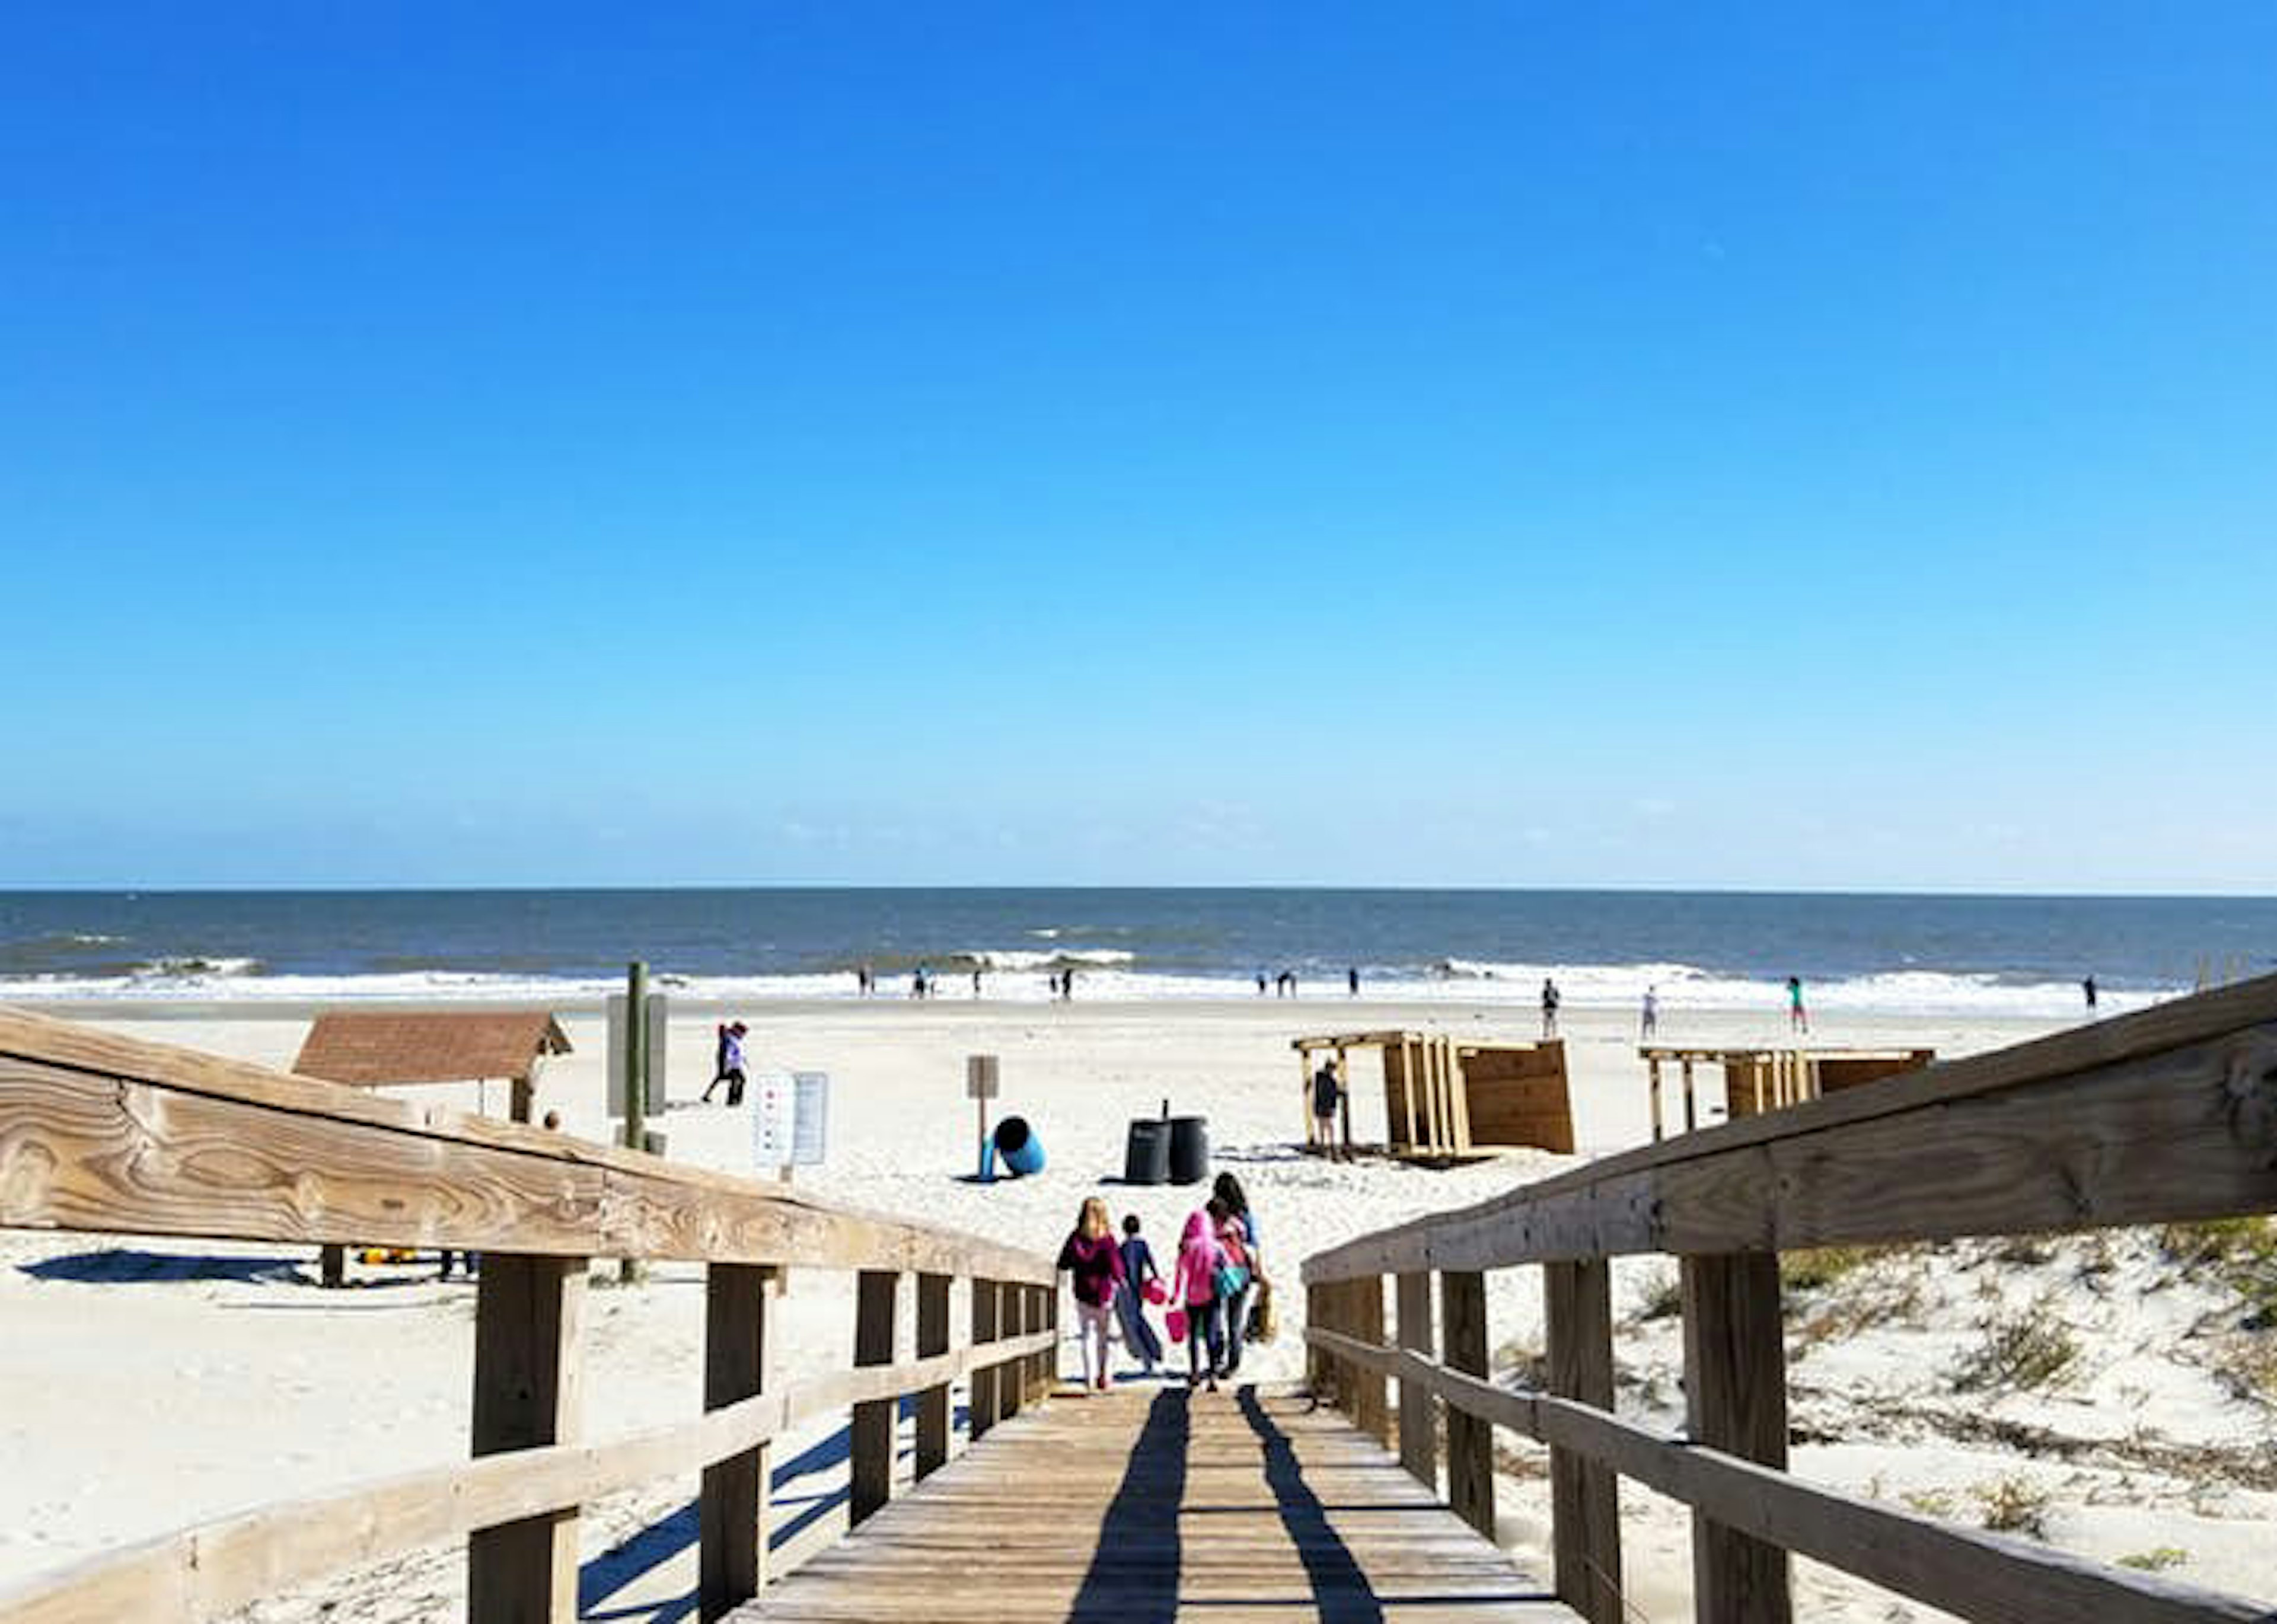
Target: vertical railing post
1316, 1362
732, 1506
932, 1402
1047, 1361
1371, 1409
1584, 1494
528, 1311
1735, 1394
980, 1396
876, 1291
1419, 1427
1012, 1320
1470, 1441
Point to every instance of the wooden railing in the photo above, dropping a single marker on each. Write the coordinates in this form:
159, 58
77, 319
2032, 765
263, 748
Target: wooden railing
103, 1133
2167, 1116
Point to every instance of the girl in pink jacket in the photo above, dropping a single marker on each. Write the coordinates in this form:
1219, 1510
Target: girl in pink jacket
1194, 1284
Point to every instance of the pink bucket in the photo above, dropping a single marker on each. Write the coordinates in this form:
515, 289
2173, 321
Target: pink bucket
1175, 1319
1157, 1292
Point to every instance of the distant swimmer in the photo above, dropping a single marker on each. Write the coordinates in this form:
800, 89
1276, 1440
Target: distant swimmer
2088, 987
1550, 1003
1798, 1018
1649, 1017
1352, 980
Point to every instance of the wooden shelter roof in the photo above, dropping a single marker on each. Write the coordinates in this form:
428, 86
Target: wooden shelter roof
371, 1047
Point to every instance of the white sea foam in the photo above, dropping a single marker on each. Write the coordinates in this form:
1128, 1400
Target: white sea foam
1101, 976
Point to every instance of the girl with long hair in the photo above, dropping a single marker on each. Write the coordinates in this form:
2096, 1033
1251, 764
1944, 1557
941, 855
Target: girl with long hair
1091, 1254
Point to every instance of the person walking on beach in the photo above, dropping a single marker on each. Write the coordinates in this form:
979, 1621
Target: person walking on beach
1352, 980
1238, 1234
1194, 1285
1328, 1094
1650, 1020
976, 980
727, 1063
1091, 1254
1549, 1007
1260, 984
1138, 1271
1798, 1018
2088, 987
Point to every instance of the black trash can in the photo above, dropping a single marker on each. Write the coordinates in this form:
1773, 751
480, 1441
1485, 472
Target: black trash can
1146, 1155
1189, 1149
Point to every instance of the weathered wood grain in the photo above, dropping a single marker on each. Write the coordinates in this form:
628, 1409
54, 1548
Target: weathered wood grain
2166, 1121
227, 1564
246, 1155
731, 1500
1585, 1496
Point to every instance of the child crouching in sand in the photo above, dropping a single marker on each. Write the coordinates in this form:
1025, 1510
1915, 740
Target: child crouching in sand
1096, 1261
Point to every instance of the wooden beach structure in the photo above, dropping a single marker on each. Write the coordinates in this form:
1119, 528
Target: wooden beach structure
1760, 1080
1162, 1506
1448, 1098
378, 1048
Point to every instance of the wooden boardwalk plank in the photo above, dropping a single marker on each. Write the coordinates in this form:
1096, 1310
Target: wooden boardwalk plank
1148, 1505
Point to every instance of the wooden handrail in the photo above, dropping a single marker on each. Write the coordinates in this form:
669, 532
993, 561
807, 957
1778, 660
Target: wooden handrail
106, 1134
228, 1563
2166, 1116
2084, 1129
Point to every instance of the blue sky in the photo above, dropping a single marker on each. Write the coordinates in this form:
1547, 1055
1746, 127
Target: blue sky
1770, 446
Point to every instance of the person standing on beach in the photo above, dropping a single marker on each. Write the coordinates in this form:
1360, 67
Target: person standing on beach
1798, 1018
1650, 1018
2088, 986
976, 980
1549, 1009
1260, 984
1091, 1254
727, 1063
1352, 980
1328, 1094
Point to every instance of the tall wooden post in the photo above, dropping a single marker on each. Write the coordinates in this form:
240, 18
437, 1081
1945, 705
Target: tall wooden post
1470, 1441
1652, 1071
1011, 1381
732, 1506
1419, 1425
1584, 1494
872, 1434
527, 1311
933, 1403
1316, 1362
1344, 1099
1371, 1411
1735, 1395
635, 1035
981, 1398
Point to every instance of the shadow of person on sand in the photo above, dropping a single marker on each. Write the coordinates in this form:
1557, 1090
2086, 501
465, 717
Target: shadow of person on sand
130, 1266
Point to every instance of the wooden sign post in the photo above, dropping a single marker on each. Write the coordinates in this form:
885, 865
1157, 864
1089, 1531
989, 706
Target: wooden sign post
980, 1086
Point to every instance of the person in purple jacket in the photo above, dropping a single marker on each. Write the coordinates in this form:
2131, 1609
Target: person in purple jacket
1091, 1254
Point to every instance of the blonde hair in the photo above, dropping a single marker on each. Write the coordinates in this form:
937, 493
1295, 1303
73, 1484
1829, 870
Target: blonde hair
1093, 1221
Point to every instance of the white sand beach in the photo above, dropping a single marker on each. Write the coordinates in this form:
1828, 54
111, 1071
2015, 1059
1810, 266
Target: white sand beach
152, 1383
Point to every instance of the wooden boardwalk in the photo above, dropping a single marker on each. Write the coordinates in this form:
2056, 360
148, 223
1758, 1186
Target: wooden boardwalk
1147, 1505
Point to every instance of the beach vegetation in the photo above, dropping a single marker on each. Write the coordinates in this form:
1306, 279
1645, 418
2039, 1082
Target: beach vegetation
1932, 1502
2157, 1559
2237, 1253
2024, 1352
1663, 1299
2013, 1504
1815, 1268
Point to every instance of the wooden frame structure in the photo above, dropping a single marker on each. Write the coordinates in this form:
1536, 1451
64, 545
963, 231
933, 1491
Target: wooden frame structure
1447, 1097
1756, 1080
2166, 1116
103, 1134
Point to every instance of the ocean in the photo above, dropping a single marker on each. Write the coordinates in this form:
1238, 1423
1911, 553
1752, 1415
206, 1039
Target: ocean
1892, 954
